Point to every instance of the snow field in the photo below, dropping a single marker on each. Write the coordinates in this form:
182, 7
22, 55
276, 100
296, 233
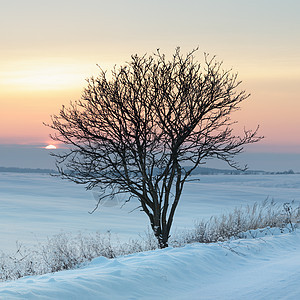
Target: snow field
34, 206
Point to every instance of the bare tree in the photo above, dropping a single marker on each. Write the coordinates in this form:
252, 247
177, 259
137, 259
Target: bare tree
144, 130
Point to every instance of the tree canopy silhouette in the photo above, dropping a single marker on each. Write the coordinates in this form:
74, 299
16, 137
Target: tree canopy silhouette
146, 128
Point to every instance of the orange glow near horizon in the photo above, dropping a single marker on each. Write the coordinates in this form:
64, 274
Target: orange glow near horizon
273, 105
47, 52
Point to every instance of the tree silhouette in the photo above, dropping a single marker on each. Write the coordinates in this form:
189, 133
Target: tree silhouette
143, 131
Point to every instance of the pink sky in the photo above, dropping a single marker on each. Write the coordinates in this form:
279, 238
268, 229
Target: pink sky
48, 49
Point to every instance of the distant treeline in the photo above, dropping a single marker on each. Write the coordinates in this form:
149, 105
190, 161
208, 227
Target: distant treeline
213, 171
197, 171
26, 170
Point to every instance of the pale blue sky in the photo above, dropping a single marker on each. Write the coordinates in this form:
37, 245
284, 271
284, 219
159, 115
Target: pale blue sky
256, 28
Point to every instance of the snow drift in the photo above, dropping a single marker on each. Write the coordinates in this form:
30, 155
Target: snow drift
261, 268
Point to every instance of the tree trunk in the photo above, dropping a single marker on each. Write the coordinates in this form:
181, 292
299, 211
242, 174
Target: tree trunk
162, 236
163, 241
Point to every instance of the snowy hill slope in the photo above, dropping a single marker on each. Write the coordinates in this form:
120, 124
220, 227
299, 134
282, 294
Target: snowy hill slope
261, 268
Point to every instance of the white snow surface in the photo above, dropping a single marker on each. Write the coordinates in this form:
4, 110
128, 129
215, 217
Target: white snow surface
34, 206
261, 268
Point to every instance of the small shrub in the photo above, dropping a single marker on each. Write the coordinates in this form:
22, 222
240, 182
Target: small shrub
64, 251
268, 214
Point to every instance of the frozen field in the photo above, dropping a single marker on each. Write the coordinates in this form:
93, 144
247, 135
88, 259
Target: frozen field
34, 206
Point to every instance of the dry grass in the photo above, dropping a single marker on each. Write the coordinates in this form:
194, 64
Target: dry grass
64, 251
267, 214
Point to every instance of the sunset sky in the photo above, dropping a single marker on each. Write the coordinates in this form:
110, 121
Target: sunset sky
49, 48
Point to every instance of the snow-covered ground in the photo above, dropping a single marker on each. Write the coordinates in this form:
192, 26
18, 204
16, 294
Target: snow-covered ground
34, 206
266, 268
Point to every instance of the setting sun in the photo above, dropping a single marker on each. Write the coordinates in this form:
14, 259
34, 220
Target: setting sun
50, 147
